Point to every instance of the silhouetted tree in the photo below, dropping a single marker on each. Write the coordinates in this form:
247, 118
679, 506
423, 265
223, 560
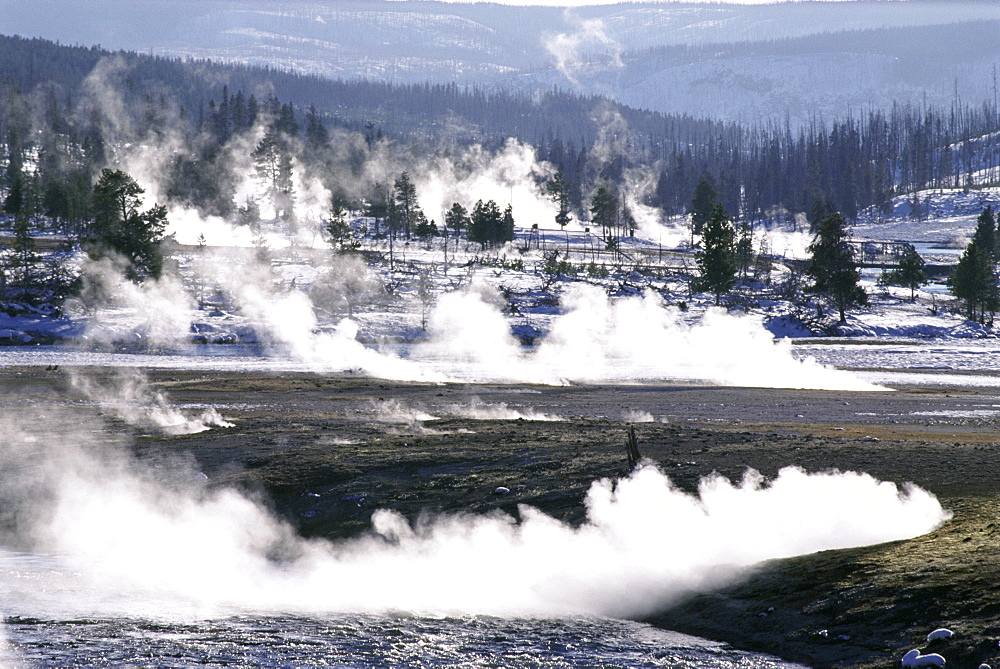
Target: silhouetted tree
703, 204
974, 281
832, 265
604, 210
338, 231
910, 272
985, 236
559, 191
456, 218
122, 228
717, 257
489, 226
406, 209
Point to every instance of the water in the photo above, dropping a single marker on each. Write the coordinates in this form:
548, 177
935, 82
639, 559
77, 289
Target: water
54, 617
397, 641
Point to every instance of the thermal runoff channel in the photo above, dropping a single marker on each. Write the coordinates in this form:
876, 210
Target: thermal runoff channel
90, 531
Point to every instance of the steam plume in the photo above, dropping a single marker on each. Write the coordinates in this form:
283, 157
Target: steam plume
136, 541
128, 395
631, 339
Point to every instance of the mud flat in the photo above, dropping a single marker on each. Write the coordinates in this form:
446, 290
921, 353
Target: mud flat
326, 451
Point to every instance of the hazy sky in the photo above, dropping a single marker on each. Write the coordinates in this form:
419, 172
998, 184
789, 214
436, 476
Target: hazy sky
577, 3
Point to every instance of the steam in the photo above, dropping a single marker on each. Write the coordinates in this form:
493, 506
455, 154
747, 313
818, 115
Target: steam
128, 395
590, 49
288, 318
510, 175
631, 339
394, 411
244, 269
479, 410
150, 544
152, 314
636, 416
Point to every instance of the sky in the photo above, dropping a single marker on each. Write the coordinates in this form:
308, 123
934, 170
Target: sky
580, 3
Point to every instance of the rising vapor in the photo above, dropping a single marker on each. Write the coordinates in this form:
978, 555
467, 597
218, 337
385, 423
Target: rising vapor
122, 539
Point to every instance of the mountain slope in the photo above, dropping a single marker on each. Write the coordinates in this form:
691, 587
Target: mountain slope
737, 62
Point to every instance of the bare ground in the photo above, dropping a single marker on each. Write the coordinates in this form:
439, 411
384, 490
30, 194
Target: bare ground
328, 450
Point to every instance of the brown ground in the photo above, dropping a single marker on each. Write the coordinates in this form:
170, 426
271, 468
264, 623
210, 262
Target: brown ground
297, 434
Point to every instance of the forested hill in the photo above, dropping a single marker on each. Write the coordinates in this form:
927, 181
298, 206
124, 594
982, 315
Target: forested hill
65, 111
405, 110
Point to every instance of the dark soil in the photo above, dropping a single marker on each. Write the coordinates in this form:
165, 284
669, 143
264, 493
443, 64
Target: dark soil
325, 453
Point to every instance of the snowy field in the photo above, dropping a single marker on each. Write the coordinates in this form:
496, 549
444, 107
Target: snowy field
439, 311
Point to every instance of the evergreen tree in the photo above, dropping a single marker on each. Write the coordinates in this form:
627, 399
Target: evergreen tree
985, 236
404, 194
974, 281
274, 166
628, 221
316, 135
506, 232
703, 205
559, 191
744, 248
338, 231
604, 210
486, 224
910, 272
24, 261
425, 229
832, 265
717, 257
120, 227
456, 218
376, 205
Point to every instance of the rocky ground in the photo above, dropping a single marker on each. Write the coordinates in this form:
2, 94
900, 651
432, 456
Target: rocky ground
326, 451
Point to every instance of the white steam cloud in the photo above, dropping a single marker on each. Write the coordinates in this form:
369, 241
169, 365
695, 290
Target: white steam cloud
394, 411
587, 50
133, 544
118, 311
509, 176
631, 339
477, 409
128, 395
238, 273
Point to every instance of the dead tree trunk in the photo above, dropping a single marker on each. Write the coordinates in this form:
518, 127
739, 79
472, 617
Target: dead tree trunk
632, 448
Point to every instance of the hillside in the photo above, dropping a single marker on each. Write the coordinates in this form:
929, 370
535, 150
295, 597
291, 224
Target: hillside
731, 61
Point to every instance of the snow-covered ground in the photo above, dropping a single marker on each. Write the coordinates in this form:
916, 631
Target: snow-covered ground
436, 311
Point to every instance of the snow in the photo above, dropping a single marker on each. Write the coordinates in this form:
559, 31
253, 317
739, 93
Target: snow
614, 318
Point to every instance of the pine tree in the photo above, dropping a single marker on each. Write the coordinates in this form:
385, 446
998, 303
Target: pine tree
405, 200
910, 272
456, 218
703, 205
317, 136
120, 227
486, 223
506, 232
338, 231
425, 229
985, 236
376, 205
974, 281
274, 166
832, 265
717, 257
24, 261
604, 210
559, 191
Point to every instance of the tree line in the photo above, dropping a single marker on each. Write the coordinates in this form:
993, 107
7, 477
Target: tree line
761, 172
